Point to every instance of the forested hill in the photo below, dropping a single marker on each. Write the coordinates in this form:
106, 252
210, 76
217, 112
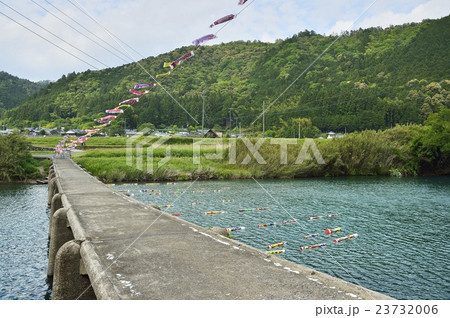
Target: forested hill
14, 90
368, 79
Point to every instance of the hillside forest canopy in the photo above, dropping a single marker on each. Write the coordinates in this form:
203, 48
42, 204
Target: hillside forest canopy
369, 79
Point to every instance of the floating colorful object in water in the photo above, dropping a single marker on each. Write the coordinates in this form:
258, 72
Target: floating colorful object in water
266, 225
225, 201
276, 252
196, 203
288, 221
315, 217
165, 206
237, 228
254, 209
308, 247
149, 190
331, 215
350, 236
331, 231
277, 244
176, 214
310, 235
214, 212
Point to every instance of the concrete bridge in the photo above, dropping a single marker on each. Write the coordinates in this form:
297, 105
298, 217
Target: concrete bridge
105, 245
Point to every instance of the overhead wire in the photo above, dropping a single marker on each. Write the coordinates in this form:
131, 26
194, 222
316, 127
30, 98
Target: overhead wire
79, 32
55, 35
87, 30
59, 47
85, 12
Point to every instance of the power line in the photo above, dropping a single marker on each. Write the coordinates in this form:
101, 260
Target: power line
137, 62
316, 59
48, 41
54, 35
82, 26
79, 7
78, 31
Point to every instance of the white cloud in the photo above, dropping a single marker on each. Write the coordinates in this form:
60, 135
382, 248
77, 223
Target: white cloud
152, 27
432, 9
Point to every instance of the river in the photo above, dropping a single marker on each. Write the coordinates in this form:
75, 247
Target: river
401, 250
23, 241
403, 240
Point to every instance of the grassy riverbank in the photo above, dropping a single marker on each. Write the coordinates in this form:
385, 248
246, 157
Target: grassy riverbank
401, 151
368, 153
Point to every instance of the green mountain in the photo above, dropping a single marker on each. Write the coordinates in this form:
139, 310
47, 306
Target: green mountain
14, 90
365, 79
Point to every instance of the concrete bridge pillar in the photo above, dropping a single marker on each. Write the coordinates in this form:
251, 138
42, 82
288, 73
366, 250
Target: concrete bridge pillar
69, 283
51, 172
60, 233
55, 205
52, 189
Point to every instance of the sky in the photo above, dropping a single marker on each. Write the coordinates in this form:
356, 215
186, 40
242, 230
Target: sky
46, 39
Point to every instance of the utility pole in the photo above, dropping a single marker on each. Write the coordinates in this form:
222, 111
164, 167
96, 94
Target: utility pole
299, 134
203, 114
230, 122
264, 121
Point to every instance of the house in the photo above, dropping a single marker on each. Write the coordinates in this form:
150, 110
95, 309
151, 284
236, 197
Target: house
132, 132
51, 132
331, 135
212, 134
6, 132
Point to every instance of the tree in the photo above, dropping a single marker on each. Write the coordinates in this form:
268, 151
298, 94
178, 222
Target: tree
16, 162
433, 147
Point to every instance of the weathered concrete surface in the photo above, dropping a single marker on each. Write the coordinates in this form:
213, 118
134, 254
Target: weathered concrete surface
132, 251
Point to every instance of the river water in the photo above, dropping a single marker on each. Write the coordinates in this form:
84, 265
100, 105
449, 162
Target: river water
23, 241
401, 250
403, 240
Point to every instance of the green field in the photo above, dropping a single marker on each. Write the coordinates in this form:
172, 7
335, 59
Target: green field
368, 153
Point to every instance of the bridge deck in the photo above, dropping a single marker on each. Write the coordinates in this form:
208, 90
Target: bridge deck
132, 251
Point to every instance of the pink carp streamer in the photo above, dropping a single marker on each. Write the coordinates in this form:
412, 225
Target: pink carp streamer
223, 20
108, 117
177, 62
204, 39
65, 146
114, 111
132, 91
129, 101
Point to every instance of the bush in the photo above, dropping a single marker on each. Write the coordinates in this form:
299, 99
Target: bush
16, 162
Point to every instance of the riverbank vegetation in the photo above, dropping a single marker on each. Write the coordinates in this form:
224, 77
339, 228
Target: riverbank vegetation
401, 151
16, 161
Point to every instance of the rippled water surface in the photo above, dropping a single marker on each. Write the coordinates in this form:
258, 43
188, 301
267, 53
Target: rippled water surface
402, 224
402, 249
23, 241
